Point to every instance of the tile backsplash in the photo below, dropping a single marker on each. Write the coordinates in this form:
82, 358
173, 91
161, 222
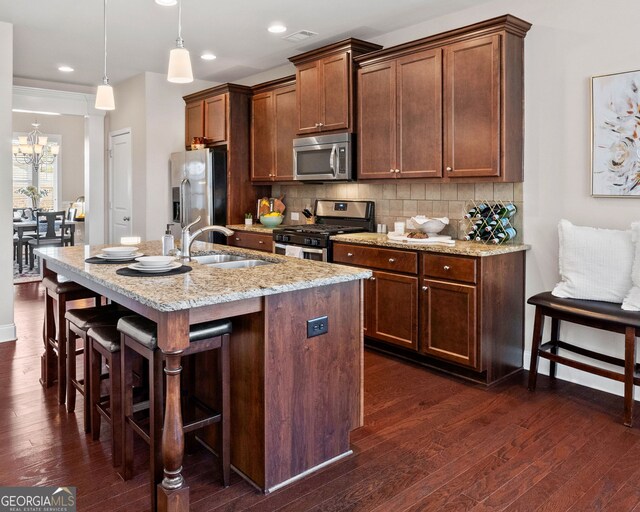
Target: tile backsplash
399, 201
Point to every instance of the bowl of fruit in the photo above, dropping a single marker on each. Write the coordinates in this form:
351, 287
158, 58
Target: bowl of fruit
271, 219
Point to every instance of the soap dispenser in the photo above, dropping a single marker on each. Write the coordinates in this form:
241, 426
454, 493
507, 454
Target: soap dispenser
167, 241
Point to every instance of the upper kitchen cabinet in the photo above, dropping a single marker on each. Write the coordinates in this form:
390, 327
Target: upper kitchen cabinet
448, 106
325, 86
193, 121
273, 128
215, 118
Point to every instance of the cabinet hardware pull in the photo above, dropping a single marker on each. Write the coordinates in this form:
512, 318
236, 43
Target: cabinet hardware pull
446, 267
391, 170
392, 260
237, 239
449, 169
372, 278
320, 125
349, 254
425, 288
260, 241
397, 170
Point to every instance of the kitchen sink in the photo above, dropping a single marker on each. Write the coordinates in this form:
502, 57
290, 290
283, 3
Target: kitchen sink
241, 264
217, 258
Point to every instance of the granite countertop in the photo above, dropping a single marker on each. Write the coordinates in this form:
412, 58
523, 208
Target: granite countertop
255, 228
204, 285
461, 247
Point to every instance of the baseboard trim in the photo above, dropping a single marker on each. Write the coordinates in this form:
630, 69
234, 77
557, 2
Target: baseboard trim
7, 333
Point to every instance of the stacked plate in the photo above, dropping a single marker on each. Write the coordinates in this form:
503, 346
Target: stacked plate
155, 264
118, 253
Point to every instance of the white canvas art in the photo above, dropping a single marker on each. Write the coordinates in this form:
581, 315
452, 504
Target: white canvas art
615, 162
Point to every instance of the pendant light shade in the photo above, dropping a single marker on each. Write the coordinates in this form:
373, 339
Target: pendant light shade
104, 94
179, 60
104, 98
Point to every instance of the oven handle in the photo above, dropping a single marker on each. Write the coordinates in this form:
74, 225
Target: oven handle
304, 249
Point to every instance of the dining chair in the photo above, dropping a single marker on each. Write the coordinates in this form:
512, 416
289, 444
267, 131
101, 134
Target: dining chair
51, 231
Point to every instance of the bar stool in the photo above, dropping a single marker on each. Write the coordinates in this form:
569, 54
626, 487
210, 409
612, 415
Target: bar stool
139, 336
79, 321
53, 362
103, 341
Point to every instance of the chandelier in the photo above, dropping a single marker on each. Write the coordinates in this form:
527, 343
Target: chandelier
34, 149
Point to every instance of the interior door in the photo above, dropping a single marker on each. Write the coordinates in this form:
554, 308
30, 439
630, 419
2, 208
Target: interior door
120, 190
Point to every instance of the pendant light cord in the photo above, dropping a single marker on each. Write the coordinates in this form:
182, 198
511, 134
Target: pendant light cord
105, 79
179, 41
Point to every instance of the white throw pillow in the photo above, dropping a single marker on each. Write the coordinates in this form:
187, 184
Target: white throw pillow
632, 301
595, 263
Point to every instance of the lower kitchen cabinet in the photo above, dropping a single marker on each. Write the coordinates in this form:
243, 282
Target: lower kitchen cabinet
251, 240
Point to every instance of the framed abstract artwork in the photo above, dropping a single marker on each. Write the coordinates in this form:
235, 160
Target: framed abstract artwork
615, 135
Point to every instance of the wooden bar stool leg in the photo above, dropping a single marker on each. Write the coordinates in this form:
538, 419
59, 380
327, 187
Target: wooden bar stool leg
225, 437
115, 404
49, 358
538, 326
126, 389
62, 348
95, 373
70, 368
555, 337
629, 366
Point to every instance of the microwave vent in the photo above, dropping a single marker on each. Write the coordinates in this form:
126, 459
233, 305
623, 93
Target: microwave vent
300, 35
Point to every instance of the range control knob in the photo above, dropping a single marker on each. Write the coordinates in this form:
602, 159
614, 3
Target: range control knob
315, 242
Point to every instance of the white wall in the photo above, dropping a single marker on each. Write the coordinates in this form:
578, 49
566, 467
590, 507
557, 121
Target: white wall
570, 41
7, 326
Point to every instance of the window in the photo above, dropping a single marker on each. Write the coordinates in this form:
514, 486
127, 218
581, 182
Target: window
46, 179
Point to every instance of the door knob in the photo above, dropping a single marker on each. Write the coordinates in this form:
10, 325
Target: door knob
126, 219
425, 288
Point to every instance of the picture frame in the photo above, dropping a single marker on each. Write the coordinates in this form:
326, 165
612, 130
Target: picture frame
615, 135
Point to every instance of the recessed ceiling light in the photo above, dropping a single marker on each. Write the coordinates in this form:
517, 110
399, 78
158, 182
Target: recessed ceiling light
207, 56
166, 3
277, 28
65, 69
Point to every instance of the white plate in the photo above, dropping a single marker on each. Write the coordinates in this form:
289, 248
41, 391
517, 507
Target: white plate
152, 270
433, 239
155, 261
120, 250
111, 257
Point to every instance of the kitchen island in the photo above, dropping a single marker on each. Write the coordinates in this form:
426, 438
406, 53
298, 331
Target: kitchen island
294, 398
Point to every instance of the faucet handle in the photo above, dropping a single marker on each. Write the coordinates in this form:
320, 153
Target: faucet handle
189, 226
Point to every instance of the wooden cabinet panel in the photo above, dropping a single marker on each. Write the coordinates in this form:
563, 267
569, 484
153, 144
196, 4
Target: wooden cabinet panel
386, 259
456, 268
395, 309
334, 88
284, 102
419, 115
262, 137
308, 97
194, 121
215, 118
448, 319
472, 108
377, 121
369, 319
250, 240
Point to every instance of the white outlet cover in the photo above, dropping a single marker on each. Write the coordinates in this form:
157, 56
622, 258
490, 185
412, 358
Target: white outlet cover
295, 216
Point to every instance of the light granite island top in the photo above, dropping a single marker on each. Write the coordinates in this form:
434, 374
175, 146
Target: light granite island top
296, 352
253, 228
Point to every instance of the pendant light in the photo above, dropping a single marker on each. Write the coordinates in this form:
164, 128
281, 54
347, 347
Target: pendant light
179, 60
104, 96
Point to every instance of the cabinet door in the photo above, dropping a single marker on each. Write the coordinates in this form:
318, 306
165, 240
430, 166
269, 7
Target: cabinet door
334, 91
395, 309
448, 319
308, 97
262, 137
419, 109
472, 108
194, 121
377, 121
215, 118
369, 299
284, 100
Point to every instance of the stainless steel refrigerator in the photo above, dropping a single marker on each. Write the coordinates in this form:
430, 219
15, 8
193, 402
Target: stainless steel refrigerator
199, 189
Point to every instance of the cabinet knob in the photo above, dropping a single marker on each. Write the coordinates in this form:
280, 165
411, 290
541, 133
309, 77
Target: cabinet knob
391, 170
449, 169
397, 171
372, 278
349, 254
425, 288
320, 125
237, 239
392, 260
260, 241
446, 267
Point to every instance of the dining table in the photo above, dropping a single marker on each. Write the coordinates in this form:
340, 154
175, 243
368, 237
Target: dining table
29, 226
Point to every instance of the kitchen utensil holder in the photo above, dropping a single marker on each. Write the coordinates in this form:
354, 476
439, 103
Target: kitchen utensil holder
473, 203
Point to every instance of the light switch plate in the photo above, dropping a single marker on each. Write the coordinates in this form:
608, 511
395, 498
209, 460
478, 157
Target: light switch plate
295, 216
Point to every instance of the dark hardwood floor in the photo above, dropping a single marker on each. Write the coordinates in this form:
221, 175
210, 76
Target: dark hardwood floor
430, 443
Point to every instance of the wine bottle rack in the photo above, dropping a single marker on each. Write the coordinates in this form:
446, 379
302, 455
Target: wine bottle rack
470, 223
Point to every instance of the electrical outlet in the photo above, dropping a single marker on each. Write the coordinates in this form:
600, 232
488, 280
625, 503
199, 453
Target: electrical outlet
317, 326
295, 216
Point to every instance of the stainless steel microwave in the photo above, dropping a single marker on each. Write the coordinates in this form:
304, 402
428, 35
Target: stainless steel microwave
323, 158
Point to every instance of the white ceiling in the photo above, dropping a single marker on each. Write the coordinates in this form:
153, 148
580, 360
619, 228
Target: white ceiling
49, 33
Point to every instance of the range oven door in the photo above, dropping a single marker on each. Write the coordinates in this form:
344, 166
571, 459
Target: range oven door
309, 253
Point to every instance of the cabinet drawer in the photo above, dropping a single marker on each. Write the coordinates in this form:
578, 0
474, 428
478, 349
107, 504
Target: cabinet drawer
385, 259
456, 268
257, 241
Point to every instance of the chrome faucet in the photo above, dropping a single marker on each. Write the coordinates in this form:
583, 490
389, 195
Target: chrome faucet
188, 238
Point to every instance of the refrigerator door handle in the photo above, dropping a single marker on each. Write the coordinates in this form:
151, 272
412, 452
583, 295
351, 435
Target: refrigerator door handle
184, 216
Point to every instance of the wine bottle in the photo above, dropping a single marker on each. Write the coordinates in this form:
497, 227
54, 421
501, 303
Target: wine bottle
495, 224
476, 211
504, 235
484, 235
506, 212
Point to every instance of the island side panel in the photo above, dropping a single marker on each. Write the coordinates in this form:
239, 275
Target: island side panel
312, 385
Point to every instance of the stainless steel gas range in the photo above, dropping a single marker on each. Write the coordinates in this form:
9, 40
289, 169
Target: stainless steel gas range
312, 241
